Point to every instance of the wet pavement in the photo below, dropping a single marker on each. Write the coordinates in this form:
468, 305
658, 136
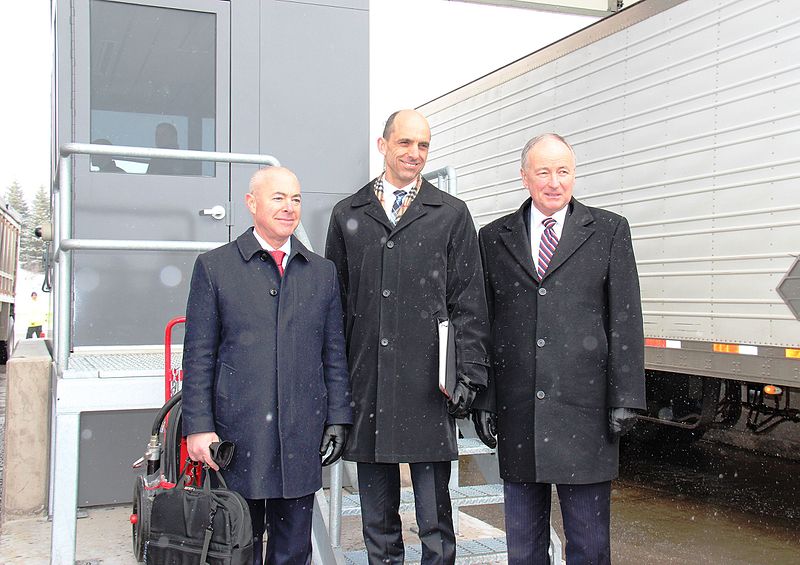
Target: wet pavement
706, 502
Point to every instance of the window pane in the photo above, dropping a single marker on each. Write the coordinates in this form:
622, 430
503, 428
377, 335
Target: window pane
152, 85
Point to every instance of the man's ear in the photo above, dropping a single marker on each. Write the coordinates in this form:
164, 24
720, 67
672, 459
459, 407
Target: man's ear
250, 200
382, 145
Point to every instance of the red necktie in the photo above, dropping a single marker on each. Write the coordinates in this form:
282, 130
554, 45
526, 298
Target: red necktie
278, 255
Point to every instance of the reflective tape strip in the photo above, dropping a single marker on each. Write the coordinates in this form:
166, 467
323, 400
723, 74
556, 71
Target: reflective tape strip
735, 348
792, 353
662, 343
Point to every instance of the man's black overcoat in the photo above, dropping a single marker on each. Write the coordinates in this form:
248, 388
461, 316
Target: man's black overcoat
264, 363
564, 350
396, 282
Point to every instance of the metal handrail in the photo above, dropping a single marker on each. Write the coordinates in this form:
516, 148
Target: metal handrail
62, 232
445, 176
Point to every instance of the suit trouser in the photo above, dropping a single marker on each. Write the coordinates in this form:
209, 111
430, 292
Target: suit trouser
379, 490
287, 522
586, 510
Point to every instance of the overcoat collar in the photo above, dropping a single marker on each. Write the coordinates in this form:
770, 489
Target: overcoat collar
249, 247
516, 237
428, 195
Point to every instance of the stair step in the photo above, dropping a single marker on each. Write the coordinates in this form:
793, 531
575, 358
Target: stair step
487, 550
473, 446
460, 496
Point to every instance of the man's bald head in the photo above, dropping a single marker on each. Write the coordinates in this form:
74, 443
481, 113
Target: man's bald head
274, 201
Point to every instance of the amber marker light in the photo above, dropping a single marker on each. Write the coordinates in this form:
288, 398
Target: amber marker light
772, 390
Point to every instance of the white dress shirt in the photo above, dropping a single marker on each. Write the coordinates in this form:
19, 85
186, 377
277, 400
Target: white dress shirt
286, 247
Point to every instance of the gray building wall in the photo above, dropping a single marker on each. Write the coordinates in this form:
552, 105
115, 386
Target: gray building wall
292, 82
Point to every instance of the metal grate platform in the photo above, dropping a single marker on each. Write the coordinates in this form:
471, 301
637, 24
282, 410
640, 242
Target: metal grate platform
473, 446
459, 496
134, 362
488, 550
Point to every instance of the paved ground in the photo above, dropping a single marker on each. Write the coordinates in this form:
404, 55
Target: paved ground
104, 534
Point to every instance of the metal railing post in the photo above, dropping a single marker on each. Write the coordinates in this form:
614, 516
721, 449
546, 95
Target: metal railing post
335, 516
63, 334
446, 178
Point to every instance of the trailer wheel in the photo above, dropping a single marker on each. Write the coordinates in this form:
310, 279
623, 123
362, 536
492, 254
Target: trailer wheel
140, 518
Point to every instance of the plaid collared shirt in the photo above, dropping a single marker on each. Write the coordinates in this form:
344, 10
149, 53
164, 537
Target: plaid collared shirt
412, 194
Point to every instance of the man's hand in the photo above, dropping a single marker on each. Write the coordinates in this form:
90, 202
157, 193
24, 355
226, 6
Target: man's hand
460, 403
620, 421
197, 446
334, 436
486, 427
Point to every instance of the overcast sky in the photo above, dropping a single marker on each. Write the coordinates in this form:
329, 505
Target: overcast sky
419, 50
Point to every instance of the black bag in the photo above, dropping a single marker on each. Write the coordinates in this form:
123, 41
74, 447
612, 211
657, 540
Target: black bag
199, 526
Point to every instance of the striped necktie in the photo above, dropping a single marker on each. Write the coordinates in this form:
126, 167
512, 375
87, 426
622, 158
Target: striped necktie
547, 246
399, 196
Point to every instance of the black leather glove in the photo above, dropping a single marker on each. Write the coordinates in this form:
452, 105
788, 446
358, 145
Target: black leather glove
486, 427
620, 421
222, 453
463, 396
335, 437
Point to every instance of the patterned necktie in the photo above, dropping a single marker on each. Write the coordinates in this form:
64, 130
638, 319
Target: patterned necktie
399, 196
278, 255
547, 246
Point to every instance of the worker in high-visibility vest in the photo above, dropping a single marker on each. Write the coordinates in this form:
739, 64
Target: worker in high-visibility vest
37, 318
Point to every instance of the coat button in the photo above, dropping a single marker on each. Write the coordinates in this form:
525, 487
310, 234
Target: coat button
384, 342
263, 256
390, 244
540, 342
386, 292
273, 292
540, 395
542, 291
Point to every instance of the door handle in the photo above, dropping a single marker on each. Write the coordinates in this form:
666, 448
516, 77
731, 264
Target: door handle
217, 212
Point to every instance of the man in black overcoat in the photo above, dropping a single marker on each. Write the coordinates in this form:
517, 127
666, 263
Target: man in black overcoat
567, 357
407, 256
264, 366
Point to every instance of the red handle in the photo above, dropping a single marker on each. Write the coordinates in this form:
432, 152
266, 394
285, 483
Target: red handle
169, 377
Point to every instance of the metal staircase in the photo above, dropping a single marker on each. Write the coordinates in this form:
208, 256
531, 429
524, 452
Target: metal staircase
487, 550
468, 551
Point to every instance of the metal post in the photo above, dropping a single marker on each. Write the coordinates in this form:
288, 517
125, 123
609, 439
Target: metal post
65, 492
335, 516
64, 331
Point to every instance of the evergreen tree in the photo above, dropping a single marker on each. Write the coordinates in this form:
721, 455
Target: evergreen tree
15, 198
39, 217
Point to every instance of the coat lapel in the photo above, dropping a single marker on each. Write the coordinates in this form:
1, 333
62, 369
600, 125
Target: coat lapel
577, 229
517, 239
428, 195
365, 198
